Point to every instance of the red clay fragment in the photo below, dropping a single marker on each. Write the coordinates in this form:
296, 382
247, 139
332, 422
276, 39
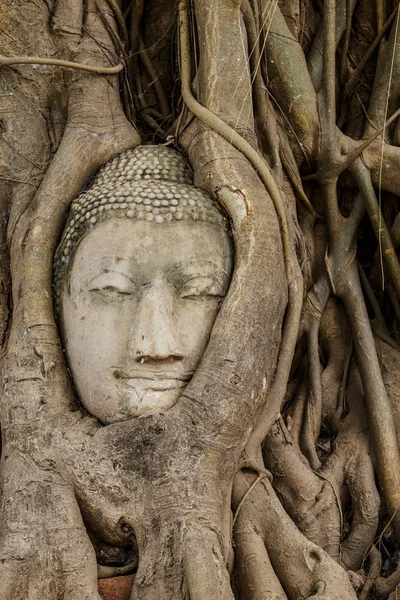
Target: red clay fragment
116, 588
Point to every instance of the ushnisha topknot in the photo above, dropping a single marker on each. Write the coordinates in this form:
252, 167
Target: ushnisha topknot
150, 183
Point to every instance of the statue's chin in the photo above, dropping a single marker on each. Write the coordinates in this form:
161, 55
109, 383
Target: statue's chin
137, 402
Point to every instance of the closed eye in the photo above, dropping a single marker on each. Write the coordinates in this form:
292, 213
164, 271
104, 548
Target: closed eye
112, 281
202, 286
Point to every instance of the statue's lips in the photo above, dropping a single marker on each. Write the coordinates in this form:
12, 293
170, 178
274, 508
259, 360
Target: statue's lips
150, 380
157, 385
147, 380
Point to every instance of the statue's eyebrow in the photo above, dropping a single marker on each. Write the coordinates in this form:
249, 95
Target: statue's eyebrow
111, 263
112, 258
216, 269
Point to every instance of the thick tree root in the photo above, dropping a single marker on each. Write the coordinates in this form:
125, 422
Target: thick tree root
303, 569
255, 575
309, 499
182, 562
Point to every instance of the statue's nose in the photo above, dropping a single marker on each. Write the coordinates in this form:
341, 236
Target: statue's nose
153, 334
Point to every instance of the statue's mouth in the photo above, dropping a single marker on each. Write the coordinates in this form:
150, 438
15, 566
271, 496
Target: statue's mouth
155, 384
166, 379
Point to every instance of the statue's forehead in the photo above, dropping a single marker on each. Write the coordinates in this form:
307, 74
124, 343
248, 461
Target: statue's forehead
124, 243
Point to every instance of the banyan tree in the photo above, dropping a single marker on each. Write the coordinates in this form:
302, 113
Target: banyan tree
200, 298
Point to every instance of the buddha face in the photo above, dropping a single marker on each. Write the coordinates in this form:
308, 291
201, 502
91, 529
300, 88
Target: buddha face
138, 309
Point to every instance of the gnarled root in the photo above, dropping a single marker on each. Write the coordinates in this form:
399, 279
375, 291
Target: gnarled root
304, 569
316, 501
309, 500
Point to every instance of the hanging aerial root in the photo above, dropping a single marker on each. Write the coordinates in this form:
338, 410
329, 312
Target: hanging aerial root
363, 179
154, 80
67, 64
119, 17
314, 56
266, 123
385, 91
354, 78
313, 413
344, 68
294, 177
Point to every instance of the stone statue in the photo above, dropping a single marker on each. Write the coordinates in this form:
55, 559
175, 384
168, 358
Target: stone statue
143, 264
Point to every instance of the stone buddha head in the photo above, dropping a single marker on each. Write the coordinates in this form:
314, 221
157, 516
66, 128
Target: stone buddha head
140, 272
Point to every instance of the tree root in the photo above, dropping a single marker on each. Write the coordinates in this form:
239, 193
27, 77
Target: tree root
313, 499
299, 564
375, 567
383, 586
307, 498
254, 573
184, 560
67, 64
